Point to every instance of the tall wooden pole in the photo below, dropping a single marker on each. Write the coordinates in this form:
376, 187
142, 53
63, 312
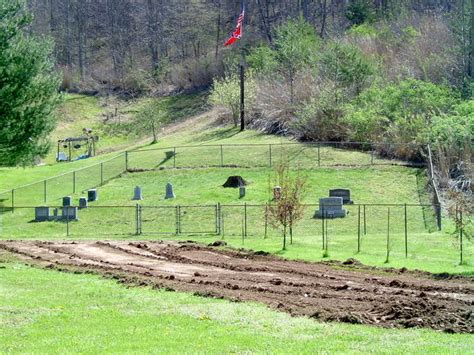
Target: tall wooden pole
242, 78
242, 95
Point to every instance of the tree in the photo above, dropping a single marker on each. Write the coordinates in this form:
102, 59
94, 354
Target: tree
287, 210
150, 119
226, 92
295, 46
28, 88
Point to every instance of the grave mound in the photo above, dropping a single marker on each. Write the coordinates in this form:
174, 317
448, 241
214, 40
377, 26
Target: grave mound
235, 181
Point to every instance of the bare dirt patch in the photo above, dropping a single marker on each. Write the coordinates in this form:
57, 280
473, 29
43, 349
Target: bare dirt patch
323, 291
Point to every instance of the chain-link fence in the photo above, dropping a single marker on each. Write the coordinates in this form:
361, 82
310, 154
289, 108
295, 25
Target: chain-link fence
385, 230
307, 155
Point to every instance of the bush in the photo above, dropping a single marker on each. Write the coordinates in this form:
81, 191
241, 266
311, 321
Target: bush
225, 92
398, 113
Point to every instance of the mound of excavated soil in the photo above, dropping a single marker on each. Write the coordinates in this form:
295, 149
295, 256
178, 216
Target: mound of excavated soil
356, 295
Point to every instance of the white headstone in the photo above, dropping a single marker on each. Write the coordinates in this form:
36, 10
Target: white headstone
330, 207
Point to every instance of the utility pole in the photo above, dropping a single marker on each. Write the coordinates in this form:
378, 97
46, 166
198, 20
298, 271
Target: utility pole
242, 94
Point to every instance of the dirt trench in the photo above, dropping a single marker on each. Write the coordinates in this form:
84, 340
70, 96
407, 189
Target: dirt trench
394, 298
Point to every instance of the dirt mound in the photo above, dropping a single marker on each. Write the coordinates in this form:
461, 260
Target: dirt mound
355, 295
235, 181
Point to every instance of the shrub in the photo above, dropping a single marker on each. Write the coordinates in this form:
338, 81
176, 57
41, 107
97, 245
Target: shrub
225, 92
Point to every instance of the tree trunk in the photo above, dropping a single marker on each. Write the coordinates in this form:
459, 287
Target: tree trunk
284, 237
218, 29
471, 46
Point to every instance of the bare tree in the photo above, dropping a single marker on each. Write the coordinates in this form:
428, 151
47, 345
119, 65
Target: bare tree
288, 209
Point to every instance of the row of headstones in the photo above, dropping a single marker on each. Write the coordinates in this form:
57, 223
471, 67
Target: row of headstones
68, 212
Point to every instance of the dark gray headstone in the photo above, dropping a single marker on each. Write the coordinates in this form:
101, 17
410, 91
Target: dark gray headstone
330, 207
67, 201
242, 191
344, 193
41, 214
69, 213
92, 195
169, 191
82, 202
137, 193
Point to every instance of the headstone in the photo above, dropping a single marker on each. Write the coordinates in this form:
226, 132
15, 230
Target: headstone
92, 195
344, 193
67, 201
82, 202
330, 207
169, 191
137, 193
276, 192
242, 191
41, 214
69, 213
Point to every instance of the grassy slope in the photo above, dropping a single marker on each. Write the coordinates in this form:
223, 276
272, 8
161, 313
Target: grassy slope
44, 311
78, 112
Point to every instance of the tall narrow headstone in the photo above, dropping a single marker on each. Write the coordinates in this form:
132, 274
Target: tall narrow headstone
137, 194
169, 191
242, 191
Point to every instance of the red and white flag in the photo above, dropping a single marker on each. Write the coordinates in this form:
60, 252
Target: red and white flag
239, 29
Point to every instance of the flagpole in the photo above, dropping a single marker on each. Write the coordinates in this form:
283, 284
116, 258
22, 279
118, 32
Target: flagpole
242, 78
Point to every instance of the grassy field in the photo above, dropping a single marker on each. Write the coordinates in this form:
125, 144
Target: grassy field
44, 311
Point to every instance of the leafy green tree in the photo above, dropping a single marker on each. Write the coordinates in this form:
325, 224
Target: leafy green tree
150, 120
28, 88
296, 44
360, 11
346, 67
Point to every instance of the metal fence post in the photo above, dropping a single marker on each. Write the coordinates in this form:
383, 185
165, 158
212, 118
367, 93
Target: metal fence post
137, 228
266, 220
13, 200
126, 160
174, 157
222, 156
217, 218
102, 173
322, 225
67, 221
45, 193
388, 235
406, 232
365, 223
222, 223
319, 154
358, 230
461, 232
245, 218
73, 182
270, 154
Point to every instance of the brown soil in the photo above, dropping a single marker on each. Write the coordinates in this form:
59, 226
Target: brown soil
347, 293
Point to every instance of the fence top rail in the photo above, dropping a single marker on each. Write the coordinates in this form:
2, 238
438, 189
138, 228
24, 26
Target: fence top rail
60, 175
317, 143
227, 205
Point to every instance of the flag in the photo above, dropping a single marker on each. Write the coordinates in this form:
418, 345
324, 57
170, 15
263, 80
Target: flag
237, 34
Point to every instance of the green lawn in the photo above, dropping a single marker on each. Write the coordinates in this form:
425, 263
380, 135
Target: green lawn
44, 311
